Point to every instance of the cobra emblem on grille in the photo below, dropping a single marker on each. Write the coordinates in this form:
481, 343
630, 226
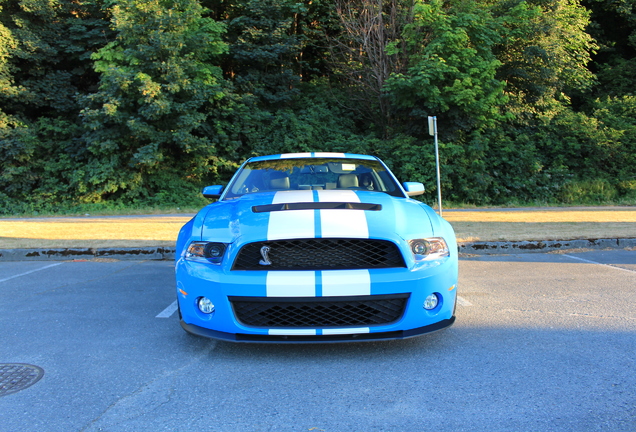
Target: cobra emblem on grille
265, 254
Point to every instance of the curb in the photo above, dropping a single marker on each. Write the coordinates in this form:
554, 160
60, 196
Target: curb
515, 247
68, 254
166, 253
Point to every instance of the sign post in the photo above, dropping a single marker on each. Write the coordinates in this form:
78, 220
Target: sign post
432, 130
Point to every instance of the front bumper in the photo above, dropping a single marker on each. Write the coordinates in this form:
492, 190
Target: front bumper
195, 280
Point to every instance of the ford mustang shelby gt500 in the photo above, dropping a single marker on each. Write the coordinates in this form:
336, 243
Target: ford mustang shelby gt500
315, 247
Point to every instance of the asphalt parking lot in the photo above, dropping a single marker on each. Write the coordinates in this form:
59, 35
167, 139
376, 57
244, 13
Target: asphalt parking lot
542, 342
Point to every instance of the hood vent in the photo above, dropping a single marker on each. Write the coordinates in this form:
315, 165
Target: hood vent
316, 206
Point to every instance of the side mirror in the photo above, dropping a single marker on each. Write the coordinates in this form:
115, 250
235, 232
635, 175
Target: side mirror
212, 191
413, 188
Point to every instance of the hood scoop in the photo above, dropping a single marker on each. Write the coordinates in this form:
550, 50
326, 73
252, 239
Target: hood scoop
316, 206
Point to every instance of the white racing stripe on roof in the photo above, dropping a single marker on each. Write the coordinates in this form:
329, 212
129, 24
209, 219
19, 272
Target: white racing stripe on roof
346, 283
328, 154
291, 284
342, 223
294, 155
345, 331
292, 223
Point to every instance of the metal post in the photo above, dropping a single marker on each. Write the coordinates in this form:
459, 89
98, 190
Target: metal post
432, 129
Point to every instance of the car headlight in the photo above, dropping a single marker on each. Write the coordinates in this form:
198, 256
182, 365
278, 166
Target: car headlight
207, 252
429, 248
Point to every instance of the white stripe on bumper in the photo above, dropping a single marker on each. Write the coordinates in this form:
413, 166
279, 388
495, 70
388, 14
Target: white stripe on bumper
345, 331
291, 284
292, 332
346, 283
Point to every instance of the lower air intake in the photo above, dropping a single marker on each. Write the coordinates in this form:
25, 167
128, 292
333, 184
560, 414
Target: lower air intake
320, 311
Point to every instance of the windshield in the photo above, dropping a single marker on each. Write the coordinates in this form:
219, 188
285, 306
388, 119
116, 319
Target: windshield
313, 174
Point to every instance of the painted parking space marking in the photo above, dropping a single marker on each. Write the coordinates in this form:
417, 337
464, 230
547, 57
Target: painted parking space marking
463, 302
598, 263
167, 312
29, 272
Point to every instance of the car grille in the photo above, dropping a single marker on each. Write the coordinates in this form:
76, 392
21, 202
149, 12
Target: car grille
273, 312
320, 254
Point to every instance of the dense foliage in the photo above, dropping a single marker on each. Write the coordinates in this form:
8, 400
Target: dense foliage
143, 101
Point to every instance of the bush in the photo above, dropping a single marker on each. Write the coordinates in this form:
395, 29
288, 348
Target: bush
627, 189
588, 192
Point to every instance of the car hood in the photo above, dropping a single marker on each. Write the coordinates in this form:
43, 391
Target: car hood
312, 214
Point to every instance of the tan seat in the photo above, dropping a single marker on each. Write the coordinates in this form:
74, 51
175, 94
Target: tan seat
347, 181
279, 183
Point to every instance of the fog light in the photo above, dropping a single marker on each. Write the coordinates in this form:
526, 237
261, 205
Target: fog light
205, 305
431, 302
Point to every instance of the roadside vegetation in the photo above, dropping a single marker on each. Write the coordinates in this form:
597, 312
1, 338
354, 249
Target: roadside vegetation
129, 105
196, 203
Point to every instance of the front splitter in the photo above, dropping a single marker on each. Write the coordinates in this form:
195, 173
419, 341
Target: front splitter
359, 337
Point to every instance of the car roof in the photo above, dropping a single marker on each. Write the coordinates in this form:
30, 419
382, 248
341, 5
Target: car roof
312, 155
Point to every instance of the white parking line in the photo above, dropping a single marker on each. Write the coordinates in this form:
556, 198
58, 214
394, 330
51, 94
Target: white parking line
598, 263
463, 302
29, 272
167, 312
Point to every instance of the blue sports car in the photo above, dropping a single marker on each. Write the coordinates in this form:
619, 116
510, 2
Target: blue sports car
315, 247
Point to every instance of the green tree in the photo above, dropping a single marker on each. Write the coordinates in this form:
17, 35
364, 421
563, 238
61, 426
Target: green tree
49, 54
266, 42
544, 55
451, 69
45, 64
366, 52
150, 127
614, 27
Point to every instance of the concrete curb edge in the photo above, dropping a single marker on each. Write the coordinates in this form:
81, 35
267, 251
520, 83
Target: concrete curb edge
167, 253
515, 247
69, 254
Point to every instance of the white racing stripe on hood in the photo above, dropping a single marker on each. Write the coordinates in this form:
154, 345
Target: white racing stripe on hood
292, 223
291, 284
342, 223
346, 283
293, 196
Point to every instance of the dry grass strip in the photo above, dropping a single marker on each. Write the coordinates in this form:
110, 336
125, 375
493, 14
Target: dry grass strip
543, 216
90, 232
549, 224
